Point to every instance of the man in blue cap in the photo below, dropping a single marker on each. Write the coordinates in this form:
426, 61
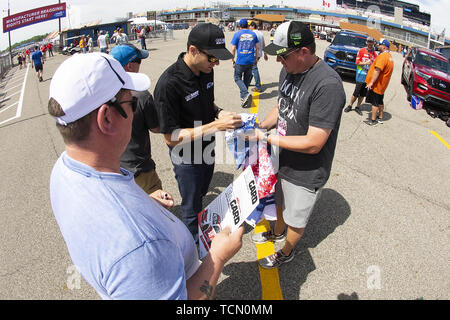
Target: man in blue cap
137, 156
245, 44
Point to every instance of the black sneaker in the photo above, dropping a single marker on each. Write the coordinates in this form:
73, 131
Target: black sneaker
348, 109
379, 120
276, 260
264, 237
358, 111
371, 122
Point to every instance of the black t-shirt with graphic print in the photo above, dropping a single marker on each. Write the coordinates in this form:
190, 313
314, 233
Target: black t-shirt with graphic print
314, 98
184, 100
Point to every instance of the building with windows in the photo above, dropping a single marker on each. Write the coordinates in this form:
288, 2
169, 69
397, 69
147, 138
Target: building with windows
398, 21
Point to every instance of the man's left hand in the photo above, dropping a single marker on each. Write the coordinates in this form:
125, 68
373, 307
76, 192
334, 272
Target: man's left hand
163, 198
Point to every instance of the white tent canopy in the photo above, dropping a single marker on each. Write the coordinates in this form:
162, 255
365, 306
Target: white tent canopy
144, 21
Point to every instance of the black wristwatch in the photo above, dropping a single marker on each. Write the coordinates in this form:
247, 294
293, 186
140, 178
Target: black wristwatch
217, 112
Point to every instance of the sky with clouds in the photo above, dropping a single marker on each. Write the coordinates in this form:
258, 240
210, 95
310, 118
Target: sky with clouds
83, 11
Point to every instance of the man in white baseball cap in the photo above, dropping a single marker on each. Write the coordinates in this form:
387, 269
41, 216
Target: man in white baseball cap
124, 244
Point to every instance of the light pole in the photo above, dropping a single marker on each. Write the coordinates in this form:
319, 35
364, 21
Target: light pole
59, 31
9, 38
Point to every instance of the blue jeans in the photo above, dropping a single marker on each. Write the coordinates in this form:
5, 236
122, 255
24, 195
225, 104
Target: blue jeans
242, 77
143, 44
255, 73
193, 183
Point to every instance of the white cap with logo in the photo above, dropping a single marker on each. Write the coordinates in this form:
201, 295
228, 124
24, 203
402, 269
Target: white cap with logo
84, 82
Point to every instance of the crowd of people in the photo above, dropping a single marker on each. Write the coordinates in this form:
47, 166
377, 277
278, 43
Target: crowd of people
106, 195
36, 56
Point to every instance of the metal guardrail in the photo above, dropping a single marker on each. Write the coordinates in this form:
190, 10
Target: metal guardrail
156, 34
5, 64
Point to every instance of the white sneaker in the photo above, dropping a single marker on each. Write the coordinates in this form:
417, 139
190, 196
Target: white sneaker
247, 101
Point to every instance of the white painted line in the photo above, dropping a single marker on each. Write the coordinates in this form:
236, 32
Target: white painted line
19, 109
6, 98
20, 102
6, 89
4, 109
14, 81
7, 77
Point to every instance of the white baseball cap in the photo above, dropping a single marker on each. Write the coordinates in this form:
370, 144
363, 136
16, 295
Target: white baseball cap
84, 82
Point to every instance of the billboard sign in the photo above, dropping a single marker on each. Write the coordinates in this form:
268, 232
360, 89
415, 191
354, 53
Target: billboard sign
26, 18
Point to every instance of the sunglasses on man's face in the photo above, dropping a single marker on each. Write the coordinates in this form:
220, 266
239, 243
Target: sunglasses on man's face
285, 55
118, 105
210, 57
137, 60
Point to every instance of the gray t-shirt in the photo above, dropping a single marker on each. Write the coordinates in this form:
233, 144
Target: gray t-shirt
314, 98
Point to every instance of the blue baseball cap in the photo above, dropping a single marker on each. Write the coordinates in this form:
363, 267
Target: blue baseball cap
126, 53
384, 42
243, 23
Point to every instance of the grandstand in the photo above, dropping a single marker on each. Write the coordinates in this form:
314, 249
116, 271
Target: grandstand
387, 7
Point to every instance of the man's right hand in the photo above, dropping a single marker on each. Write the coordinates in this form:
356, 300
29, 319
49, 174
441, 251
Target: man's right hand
228, 121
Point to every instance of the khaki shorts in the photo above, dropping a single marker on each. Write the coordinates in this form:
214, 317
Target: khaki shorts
148, 181
297, 202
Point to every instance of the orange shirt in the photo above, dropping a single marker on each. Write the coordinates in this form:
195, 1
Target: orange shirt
385, 63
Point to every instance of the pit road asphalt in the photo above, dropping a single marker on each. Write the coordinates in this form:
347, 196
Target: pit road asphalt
380, 230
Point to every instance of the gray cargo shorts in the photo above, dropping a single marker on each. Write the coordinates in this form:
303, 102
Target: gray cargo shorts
297, 202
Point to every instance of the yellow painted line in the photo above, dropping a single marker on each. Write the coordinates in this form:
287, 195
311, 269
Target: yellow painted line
270, 280
440, 139
255, 104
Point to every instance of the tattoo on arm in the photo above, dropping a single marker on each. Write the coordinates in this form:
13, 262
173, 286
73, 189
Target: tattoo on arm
207, 289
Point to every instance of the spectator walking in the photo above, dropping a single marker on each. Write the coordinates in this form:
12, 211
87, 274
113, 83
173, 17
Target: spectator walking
19, 60
377, 80
364, 59
90, 44
307, 123
188, 116
102, 42
142, 36
37, 60
245, 47
121, 37
255, 72
137, 156
50, 49
28, 54
123, 243
272, 32
83, 44
43, 50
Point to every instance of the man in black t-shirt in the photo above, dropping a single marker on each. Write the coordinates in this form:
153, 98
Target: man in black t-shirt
189, 118
137, 157
307, 117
